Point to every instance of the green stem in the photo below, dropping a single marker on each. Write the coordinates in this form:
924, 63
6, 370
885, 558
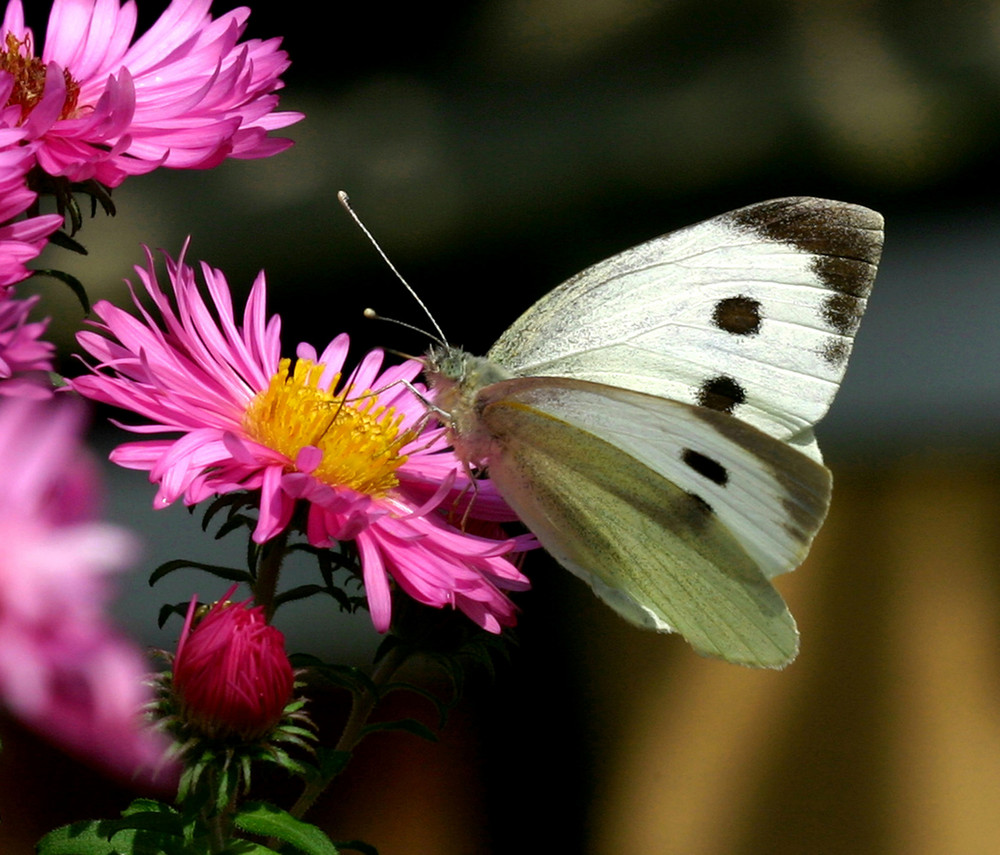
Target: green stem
362, 705
268, 569
219, 823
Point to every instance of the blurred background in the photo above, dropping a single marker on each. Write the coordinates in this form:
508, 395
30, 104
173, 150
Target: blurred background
496, 148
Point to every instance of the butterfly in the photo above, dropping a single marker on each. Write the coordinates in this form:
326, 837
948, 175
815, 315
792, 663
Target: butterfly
651, 419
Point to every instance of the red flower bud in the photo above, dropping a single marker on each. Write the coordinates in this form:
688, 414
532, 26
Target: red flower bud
232, 677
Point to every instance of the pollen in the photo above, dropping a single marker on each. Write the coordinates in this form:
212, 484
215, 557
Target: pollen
359, 438
28, 72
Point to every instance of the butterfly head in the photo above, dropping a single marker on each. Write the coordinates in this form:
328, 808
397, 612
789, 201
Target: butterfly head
455, 378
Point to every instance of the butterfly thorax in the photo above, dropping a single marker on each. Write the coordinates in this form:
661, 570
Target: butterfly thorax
455, 378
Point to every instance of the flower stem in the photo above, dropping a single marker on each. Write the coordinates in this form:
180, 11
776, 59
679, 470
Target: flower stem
272, 554
362, 705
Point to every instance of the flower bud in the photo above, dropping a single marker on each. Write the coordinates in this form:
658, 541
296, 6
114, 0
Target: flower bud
231, 677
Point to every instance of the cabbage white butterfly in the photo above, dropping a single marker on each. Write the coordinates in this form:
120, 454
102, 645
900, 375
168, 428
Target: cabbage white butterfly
650, 419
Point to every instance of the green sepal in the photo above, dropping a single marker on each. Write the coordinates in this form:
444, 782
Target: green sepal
269, 821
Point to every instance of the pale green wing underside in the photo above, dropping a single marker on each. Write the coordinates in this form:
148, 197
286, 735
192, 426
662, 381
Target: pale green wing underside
601, 496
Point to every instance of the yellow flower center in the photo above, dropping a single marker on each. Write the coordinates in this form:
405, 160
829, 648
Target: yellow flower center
360, 440
28, 72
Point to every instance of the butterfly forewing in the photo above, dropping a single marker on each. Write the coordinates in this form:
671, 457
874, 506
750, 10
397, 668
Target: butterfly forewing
752, 313
656, 551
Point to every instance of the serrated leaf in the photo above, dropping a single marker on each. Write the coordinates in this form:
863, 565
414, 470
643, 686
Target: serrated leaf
160, 823
137, 834
270, 821
143, 805
89, 837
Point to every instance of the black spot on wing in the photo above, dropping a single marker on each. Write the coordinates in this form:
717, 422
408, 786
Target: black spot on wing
843, 313
737, 315
845, 240
705, 466
721, 393
836, 351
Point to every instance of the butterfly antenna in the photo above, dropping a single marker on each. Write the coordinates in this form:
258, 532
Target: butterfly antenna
346, 202
372, 315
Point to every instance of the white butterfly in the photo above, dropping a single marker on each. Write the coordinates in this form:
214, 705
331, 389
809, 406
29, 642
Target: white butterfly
650, 420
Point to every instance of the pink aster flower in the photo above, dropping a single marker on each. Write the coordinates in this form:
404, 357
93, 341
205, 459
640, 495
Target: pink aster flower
20, 240
185, 94
25, 358
356, 450
231, 674
63, 670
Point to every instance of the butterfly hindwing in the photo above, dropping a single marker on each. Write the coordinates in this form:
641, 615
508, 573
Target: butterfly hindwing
752, 313
677, 516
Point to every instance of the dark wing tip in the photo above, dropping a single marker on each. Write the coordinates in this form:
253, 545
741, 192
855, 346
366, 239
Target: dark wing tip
845, 239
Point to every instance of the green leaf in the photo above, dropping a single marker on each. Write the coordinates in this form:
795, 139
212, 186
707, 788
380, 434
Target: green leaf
331, 761
270, 821
60, 238
229, 573
320, 673
147, 827
299, 593
234, 523
409, 725
246, 847
357, 846
89, 837
168, 609
74, 284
